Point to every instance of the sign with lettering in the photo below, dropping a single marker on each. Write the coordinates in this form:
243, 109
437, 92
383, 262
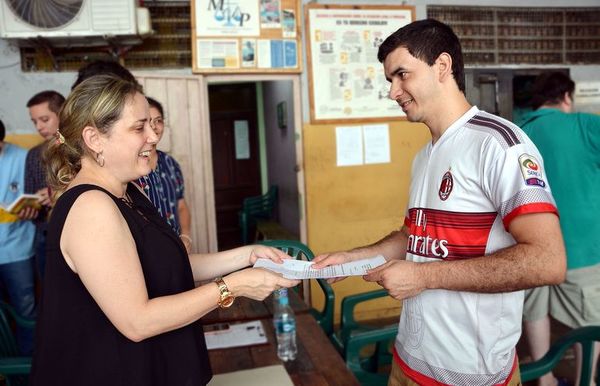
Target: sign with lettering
245, 36
345, 78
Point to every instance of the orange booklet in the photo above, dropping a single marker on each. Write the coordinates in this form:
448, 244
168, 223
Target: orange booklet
23, 201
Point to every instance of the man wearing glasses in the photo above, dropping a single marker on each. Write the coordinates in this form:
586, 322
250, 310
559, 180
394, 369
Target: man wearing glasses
164, 186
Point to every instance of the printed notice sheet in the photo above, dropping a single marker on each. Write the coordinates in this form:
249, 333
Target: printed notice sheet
224, 335
300, 269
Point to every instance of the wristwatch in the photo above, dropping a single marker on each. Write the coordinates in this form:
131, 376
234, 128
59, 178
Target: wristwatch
226, 297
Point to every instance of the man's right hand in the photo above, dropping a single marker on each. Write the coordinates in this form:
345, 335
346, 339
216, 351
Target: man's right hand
333, 258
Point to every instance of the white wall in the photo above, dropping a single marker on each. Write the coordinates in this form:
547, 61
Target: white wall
16, 87
281, 152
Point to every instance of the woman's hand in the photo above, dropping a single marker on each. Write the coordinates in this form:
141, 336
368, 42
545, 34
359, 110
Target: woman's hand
256, 283
262, 251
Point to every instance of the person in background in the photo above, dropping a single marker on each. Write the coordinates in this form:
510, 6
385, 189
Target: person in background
570, 145
99, 67
164, 185
119, 304
477, 231
16, 240
43, 110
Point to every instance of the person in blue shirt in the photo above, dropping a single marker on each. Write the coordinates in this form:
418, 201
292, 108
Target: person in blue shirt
16, 240
164, 185
570, 145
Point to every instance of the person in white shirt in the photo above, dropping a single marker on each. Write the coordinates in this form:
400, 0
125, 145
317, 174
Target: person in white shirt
481, 224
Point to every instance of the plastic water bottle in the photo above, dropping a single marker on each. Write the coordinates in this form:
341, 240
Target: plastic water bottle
284, 322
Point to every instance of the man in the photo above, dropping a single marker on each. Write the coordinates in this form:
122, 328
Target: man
43, 110
16, 240
164, 186
480, 227
99, 67
570, 144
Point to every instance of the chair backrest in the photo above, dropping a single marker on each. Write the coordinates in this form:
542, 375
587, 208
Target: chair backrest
587, 336
8, 343
13, 367
257, 207
261, 206
348, 323
298, 250
367, 369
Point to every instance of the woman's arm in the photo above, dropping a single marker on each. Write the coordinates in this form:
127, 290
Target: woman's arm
98, 246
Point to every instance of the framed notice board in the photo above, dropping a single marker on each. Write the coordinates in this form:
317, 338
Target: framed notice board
246, 36
346, 81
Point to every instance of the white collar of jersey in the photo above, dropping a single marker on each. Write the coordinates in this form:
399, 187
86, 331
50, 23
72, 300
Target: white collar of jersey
460, 122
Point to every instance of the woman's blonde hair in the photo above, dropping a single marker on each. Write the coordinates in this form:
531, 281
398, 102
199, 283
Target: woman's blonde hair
98, 102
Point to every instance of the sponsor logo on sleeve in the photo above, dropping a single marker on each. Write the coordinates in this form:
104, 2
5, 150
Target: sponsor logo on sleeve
531, 170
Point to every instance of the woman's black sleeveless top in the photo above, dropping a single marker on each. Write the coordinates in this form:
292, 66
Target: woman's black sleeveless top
76, 344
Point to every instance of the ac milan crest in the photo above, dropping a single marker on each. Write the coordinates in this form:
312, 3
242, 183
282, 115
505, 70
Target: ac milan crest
446, 186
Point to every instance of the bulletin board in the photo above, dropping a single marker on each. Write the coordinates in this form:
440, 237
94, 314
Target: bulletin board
346, 81
246, 36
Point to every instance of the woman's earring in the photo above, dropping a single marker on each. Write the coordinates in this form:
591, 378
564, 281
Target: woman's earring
100, 159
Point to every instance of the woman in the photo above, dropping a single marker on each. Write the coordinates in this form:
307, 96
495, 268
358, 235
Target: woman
119, 305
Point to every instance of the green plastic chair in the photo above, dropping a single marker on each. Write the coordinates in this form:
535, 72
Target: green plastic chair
353, 336
367, 369
348, 324
298, 250
13, 367
587, 336
256, 208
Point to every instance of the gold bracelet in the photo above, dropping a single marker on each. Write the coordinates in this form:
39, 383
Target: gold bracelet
184, 236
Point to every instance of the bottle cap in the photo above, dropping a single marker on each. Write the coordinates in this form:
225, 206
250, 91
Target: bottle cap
282, 296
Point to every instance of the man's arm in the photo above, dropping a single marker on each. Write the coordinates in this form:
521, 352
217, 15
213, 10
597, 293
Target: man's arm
538, 258
392, 247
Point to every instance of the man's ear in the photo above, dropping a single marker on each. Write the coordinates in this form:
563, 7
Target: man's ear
567, 103
444, 63
92, 139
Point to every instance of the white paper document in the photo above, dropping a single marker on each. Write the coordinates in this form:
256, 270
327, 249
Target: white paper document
225, 335
261, 376
300, 269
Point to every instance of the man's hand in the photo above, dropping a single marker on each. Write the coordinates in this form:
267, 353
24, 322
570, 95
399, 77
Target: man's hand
333, 258
401, 278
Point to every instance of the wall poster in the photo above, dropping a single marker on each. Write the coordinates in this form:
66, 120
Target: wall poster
246, 36
346, 81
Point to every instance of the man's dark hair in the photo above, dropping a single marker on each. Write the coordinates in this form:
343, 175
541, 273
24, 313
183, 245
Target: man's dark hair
103, 67
55, 100
156, 104
426, 40
2, 131
550, 88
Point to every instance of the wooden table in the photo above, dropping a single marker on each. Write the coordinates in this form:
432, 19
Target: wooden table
317, 364
247, 309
